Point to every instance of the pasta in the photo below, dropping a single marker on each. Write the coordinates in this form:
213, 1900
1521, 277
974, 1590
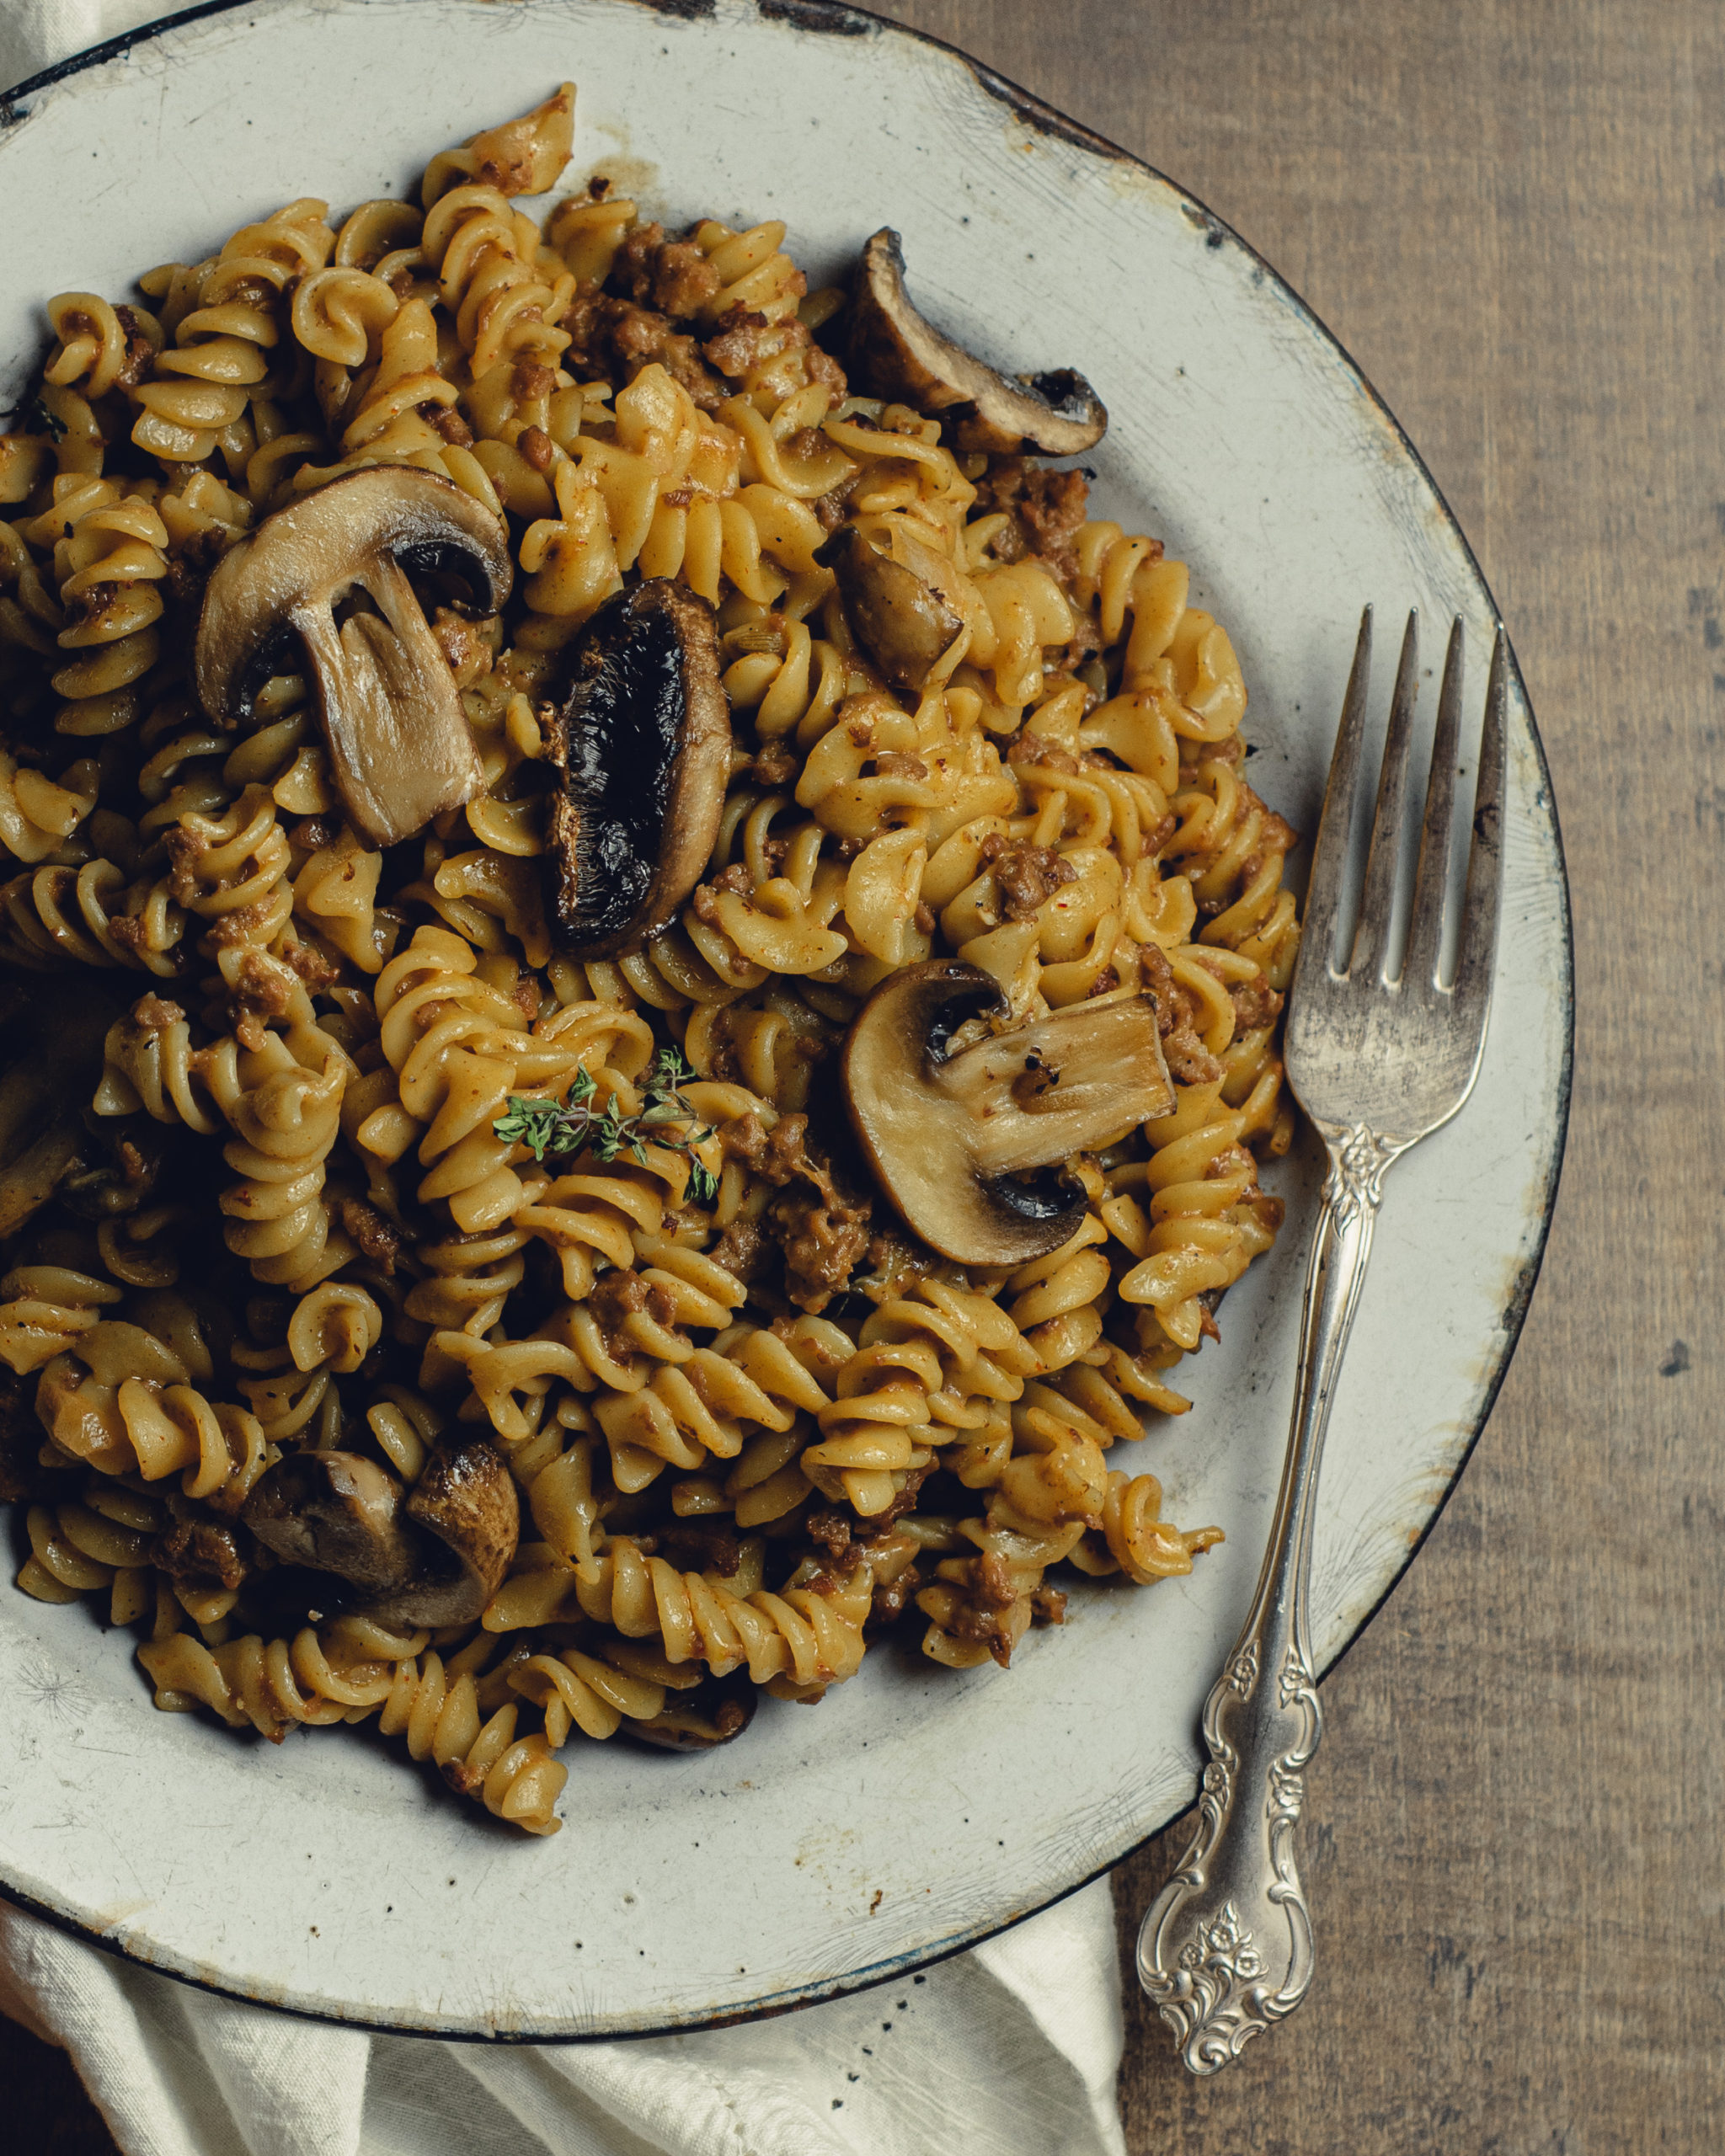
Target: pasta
376, 1178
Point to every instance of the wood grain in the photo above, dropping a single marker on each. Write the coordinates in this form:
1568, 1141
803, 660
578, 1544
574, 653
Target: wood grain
1512, 215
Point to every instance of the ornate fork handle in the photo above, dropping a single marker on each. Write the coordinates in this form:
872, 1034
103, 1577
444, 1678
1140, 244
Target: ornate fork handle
1226, 1947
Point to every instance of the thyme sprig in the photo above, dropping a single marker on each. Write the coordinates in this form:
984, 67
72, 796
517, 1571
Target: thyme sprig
575, 1125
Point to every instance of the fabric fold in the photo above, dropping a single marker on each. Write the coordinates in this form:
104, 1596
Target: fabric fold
1011, 2050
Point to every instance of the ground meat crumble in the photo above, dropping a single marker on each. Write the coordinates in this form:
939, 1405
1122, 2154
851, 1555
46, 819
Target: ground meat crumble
199, 1554
1047, 509
823, 1232
378, 1239
1190, 1062
616, 1297
1026, 876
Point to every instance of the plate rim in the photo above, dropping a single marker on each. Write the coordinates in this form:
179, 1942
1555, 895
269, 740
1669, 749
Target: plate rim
838, 18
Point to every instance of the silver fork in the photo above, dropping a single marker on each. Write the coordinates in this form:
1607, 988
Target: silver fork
1380, 1051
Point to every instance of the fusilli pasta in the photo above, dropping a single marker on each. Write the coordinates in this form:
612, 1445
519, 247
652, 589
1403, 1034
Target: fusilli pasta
426, 1321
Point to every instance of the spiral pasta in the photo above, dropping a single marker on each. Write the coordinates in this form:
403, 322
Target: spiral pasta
100, 1541
269, 1685
374, 1191
514, 1778
799, 1641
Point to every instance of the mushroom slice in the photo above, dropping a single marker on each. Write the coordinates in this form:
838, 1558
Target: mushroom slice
400, 748
465, 1498
641, 743
899, 617
897, 354
951, 1134
336, 1511
339, 1512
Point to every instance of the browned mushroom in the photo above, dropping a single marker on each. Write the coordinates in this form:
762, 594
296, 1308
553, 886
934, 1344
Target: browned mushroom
899, 618
400, 748
641, 743
951, 1135
435, 1559
896, 354
336, 1511
465, 1498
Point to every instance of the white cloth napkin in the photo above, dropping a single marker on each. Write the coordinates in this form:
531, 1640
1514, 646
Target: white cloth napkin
1010, 2050
35, 33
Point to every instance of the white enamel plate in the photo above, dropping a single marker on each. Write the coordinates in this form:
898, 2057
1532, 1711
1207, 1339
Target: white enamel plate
915, 1811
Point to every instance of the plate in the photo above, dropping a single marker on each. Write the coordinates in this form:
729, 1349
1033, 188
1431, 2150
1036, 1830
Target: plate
917, 1811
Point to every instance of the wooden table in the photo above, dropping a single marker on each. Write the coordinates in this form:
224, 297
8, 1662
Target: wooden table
1512, 213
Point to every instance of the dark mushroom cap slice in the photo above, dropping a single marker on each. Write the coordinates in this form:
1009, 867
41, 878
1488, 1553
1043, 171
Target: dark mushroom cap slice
951, 1136
400, 748
641, 742
901, 622
895, 353
465, 1499
336, 1511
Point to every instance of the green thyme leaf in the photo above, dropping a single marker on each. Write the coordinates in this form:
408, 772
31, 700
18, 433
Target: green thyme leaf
549, 1126
539, 1125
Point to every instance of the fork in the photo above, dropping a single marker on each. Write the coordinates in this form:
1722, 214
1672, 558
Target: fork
1381, 1050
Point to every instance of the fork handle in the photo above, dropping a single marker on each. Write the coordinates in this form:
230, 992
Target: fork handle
1226, 1948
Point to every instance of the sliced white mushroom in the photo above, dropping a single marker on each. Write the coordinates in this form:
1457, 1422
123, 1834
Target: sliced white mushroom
902, 622
465, 1499
335, 1511
400, 748
895, 352
952, 1137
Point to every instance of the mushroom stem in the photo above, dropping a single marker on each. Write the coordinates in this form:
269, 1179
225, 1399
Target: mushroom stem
400, 748
1069, 1083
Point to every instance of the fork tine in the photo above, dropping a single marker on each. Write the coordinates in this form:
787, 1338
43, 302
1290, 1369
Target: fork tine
1479, 926
1371, 945
1329, 850
1425, 936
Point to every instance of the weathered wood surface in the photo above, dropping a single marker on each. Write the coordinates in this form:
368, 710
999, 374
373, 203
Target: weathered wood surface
1512, 213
